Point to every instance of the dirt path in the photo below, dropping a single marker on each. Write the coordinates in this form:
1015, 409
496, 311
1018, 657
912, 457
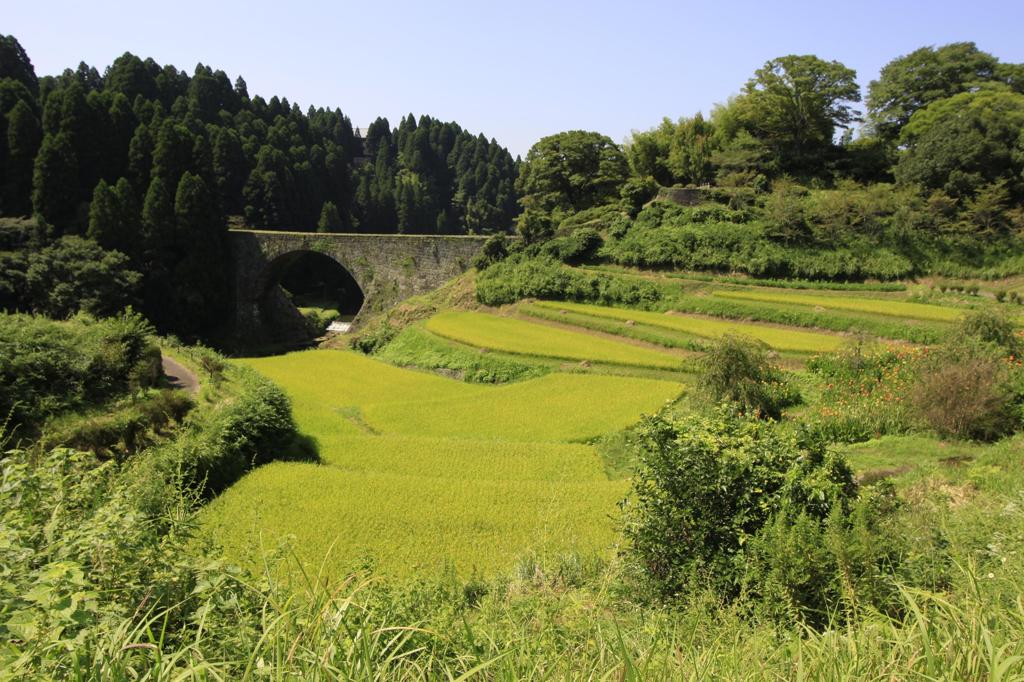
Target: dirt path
179, 376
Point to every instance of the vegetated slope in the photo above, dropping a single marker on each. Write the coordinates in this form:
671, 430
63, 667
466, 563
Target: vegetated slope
776, 337
421, 471
519, 336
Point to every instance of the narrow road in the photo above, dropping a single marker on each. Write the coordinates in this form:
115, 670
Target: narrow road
178, 376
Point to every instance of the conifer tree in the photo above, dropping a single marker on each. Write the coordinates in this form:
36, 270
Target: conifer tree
200, 283
114, 217
15, 64
157, 220
55, 183
330, 219
23, 138
140, 158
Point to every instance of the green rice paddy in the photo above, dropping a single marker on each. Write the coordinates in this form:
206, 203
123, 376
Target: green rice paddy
420, 472
875, 306
530, 338
780, 338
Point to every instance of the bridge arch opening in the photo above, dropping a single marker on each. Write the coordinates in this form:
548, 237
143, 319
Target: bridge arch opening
307, 293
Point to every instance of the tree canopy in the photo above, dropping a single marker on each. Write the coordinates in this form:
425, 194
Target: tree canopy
960, 143
912, 82
795, 104
149, 160
572, 171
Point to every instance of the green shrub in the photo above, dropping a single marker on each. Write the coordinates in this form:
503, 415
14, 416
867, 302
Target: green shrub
546, 278
252, 428
495, 249
989, 326
740, 506
800, 569
318, 319
210, 362
738, 370
47, 367
716, 238
374, 336
122, 429
599, 218
578, 247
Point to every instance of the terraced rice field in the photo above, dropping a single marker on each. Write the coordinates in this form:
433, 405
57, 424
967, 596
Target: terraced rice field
527, 338
875, 306
419, 471
779, 338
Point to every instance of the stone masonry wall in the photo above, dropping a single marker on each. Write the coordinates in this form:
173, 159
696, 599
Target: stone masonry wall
388, 269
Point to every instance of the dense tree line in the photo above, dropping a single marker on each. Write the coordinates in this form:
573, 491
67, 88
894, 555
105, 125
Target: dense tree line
946, 118
149, 161
931, 176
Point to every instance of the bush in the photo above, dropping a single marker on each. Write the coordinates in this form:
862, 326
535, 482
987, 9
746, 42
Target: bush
738, 505
717, 238
989, 326
495, 249
801, 570
578, 247
123, 429
374, 336
636, 192
318, 320
967, 392
253, 428
546, 278
47, 367
75, 274
738, 370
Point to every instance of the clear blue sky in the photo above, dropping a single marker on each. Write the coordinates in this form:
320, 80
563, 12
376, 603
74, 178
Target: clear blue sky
515, 71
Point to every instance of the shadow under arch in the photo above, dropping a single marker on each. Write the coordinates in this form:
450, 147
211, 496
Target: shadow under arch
301, 286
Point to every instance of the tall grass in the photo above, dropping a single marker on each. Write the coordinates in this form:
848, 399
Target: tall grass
316, 630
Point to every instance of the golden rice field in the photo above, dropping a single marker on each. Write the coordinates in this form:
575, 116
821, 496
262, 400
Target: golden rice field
420, 472
404, 525
529, 338
785, 339
877, 306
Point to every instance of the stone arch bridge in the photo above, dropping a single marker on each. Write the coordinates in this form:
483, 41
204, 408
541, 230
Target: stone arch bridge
386, 267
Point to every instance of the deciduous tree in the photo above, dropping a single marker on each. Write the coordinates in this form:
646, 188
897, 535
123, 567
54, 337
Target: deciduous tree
572, 171
796, 103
